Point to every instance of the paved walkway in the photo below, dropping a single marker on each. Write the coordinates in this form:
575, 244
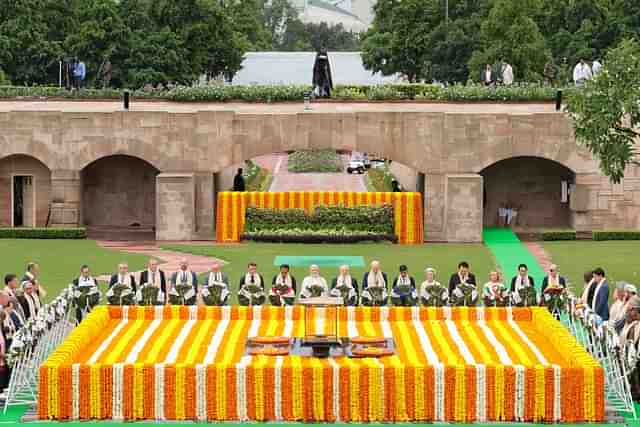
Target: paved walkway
170, 260
283, 180
542, 256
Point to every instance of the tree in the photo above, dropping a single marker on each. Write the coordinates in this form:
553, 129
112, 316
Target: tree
606, 112
511, 34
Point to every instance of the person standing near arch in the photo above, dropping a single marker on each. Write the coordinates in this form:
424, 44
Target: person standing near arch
238, 181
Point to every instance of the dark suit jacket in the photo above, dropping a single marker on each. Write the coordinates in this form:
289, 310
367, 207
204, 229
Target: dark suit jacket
365, 282
513, 283
455, 281
144, 277
22, 299
259, 275
225, 279
413, 282
354, 283
194, 279
545, 282
293, 282
114, 280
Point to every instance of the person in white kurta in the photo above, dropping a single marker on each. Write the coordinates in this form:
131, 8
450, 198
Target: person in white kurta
314, 285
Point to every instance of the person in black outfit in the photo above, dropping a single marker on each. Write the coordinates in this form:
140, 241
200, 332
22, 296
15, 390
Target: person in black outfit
322, 80
462, 276
238, 181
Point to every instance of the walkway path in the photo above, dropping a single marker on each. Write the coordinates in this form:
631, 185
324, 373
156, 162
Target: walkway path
283, 180
170, 260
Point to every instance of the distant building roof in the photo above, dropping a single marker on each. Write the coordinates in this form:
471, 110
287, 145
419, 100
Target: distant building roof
317, 11
290, 68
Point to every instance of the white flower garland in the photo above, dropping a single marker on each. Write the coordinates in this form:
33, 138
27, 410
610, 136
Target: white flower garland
425, 343
105, 344
132, 357
497, 345
320, 315
352, 329
75, 390
212, 350
118, 380
277, 406
201, 392
288, 320
179, 341
480, 314
159, 391
446, 311
439, 392
462, 346
335, 370
255, 323
384, 322
241, 389
531, 345
519, 395
557, 393
481, 393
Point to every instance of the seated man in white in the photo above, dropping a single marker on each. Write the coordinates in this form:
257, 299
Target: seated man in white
215, 289
122, 287
495, 293
251, 287
432, 293
344, 286
184, 285
375, 286
314, 285
152, 277
283, 287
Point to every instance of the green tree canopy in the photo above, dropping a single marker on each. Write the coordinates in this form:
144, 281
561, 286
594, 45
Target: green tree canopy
606, 112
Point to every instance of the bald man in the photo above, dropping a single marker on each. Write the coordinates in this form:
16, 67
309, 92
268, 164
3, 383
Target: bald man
123, 277
185, 275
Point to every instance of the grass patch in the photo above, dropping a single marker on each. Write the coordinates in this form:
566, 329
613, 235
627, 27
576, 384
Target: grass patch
615, 257
60, 260
379, 179
314, 161
443, 257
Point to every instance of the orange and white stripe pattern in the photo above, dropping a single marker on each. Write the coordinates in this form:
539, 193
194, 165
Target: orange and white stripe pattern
231, 207
453, 365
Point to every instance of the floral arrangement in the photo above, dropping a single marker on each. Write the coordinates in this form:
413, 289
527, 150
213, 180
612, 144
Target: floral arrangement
251, 294
85, 297
434, 295
149, 294
215, 294
120, 294
348, 294
182, 294
464, 295
485, 365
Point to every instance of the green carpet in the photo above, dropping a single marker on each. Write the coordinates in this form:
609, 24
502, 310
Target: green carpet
509, 252
322, 261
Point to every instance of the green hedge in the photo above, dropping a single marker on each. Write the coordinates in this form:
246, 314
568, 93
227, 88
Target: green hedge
43, 233
296, 93
616, 235
374, 219
322, 161
555, 235
317, 236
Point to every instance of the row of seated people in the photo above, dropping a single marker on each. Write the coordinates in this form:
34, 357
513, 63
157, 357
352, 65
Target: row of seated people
375, 289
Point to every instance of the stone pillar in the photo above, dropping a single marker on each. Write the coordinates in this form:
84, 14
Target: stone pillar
205, 206
434, 203
463, 208
175, 206
65, 198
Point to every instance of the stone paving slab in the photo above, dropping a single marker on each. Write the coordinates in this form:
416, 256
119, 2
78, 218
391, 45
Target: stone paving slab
284, 108
169, 260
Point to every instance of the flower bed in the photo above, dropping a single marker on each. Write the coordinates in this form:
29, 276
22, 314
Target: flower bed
232, 206
319, 161
188, 363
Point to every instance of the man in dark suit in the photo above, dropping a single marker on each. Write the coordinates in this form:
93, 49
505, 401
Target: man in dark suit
11, 289
596, 294
462, 276
29, 300
85, 281
123, 277
154, 276
185, 275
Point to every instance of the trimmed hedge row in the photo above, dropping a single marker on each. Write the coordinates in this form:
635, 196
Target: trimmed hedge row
318, 161
43, 233
616, 235
557, 235
294, 236
370, 219
296, 93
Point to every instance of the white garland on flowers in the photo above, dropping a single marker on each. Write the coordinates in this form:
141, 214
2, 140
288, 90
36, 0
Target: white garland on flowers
519, 403
427, 348
201, 392
439, 392
159, 391
557, 392
462, 346
481, 393
277, 407
497, 345
118, 380
384, 322
212, 350
132, 357
352, 330
335, 370
75, 390
241, 393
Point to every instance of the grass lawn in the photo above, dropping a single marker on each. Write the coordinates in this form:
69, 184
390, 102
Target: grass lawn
443, 257
60, 260
619, 259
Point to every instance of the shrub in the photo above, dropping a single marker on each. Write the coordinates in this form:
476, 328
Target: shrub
616, 235
43, 233
374, 219
317, 236
555, 235
315, 161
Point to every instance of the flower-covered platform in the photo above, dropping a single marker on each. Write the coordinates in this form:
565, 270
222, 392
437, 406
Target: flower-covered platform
188, 363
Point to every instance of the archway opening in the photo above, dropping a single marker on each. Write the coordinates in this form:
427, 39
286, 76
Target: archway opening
536, 188
25, 192
119, 198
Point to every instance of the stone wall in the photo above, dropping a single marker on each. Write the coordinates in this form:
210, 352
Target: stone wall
176, 206
533, 186
119, 191
203, 143
24, 165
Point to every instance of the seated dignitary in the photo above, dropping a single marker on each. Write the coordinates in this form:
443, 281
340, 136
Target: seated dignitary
251, 287
215, 289
153, 285
374, 286
432, 293
495, 293
403, 291
345, 286
314, 285
462, 287
283, 287
523, 291
184, 285
122, 287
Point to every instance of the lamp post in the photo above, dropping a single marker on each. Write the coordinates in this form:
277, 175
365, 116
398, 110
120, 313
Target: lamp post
446, 12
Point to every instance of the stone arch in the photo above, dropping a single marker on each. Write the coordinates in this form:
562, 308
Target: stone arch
530, 184
29, 176
133, 149
118, 192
